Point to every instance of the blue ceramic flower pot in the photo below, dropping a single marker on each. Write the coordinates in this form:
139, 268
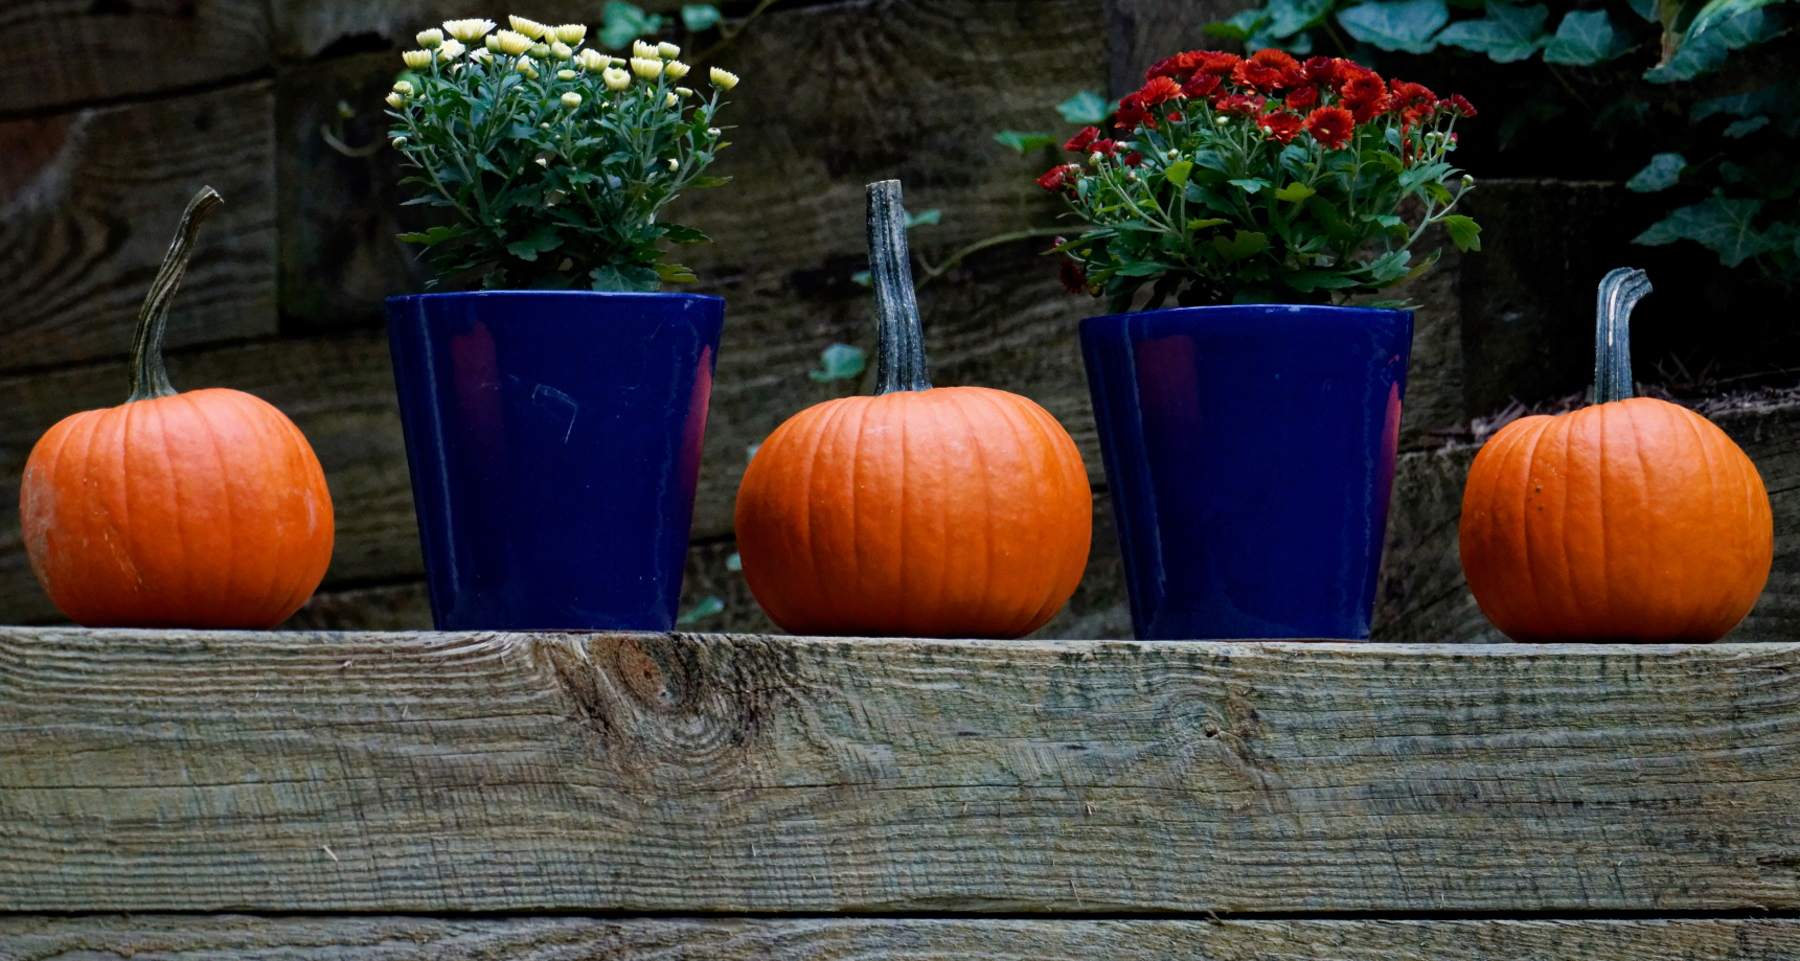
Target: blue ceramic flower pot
554, 439
1250, 453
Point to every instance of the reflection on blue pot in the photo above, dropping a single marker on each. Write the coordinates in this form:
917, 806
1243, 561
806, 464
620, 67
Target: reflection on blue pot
1250, 453
554, 438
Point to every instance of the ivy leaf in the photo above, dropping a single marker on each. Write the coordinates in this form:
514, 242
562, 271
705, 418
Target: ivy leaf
1250, 186
675, 274
707, 607
1024, 142
1507, 34
1706, 54
538, 241
1405, 25
1295, 192
1662, 172
1086, 108
863, 278
1780, 99
1245, 244
624, 22
1288, 17
1744, 128
1584, 38
436, 235
1646, 9
1241, 26
1464, 232
1722, 225
839, 362
1717, 12
699, 16
1177, 173
628, 277
926, 217
682, 234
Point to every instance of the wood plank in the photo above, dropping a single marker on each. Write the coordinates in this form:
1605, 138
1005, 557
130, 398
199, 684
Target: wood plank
106, 49
174, 938
149, 771
89, 201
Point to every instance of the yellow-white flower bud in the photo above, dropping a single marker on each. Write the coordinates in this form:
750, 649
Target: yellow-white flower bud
468, 30
713, 131
482, 55
571, 100
591, 59
673, 165
417, 59
684, 91
668, 51
512, 43
648, 69
724, 79
396, 100
571, 33
403, 87
540, 50
566, 74
527, 67
615, 78
399, 142
676, 69
671, 100
561, 51
429, 39
530, 28
450, 50
643, 51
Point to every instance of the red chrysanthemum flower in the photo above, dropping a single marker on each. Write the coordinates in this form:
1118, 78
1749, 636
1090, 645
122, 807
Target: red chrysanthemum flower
1059, 176
1364, 94
1413, 102
1456, 105
1271, 57
1249, 73
1131, 113
1218, 64
1322, 70
1281, 125
1187, 63
1158, 90
1175, 116
1074, 279
1166, 67
1133, 158
1104, 148
1080, 141
1330, 126
1203, 85
1304, 98
1239, 105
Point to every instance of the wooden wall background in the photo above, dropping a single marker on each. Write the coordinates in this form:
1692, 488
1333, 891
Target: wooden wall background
120, 109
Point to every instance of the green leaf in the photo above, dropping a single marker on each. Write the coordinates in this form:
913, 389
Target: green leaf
1662, 172
1208, 222
700, 183
1294, 192
675, 274
1307, 281
624, 22
682, 234
1241, 26
1717, 12
1507, 34
538, 241
699, 16
627, 277
863, 277
1024, 142
1086, 108
839, 362
1388, 221
436, 235
1464, 232
926, 217
1245, 244
1721, 224
1696, 57
1390, 269
1289, 17
1251, 185
1646, 9
1584, 38
1177, 173
707, 607
1744, 128
1405, 25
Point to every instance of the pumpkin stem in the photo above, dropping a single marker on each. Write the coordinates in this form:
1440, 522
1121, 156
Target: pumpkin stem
899, 341
149, 378
1620, 291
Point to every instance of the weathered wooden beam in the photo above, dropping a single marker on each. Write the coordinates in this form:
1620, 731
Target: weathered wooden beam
90, 201
148, 771
191, 938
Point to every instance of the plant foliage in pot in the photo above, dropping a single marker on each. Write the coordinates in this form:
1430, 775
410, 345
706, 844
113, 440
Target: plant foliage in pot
1248, 414
554, 415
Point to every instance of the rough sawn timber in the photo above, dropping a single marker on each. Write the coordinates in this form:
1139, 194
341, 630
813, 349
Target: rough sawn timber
159, 771
191, 938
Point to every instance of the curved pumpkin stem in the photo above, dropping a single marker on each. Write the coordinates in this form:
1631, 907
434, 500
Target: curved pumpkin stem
899, 340
149, 378
1620, 291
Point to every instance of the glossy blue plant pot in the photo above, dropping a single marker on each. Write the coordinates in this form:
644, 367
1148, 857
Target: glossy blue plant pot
554, 439
1250, 454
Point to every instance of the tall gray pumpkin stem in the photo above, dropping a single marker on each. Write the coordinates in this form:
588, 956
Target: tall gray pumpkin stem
149, 378
1620, 291
899, 340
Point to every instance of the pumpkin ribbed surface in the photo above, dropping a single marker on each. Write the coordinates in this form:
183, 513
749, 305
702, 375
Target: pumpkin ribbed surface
1635, 520
950, 512
205, 509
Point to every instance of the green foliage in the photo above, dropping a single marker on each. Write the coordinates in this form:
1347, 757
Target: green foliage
1507, 34
1086, 108
700, 16
839, 362
1584, 38
621, 23
1407, 25
551, 177
1025, 142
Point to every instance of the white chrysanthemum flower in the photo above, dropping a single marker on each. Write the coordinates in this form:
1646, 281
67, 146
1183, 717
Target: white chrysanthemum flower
676, 69
713, 131
417, 59
671, 100
481, 55
566, 74
724, 79
530, 28
403, 87
429, 39
591, 59
511, 42
540, 50
673, 165
468, 30
571, 33
667, 50
684, 91
643, 51
450, 50
561, 51
527, 66
571, 100
647, 69
615, 78
396, 100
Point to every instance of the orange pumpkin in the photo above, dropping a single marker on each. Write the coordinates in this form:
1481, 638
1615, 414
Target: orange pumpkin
921, 511
1630, 520
204, 509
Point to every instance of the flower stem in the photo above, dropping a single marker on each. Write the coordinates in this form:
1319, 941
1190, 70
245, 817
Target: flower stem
149, 378
1619, 292
899, 340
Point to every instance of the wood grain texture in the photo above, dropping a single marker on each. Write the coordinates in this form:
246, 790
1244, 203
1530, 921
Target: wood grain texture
338, 390
244, 938
150, 771
79, 51
89, 202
